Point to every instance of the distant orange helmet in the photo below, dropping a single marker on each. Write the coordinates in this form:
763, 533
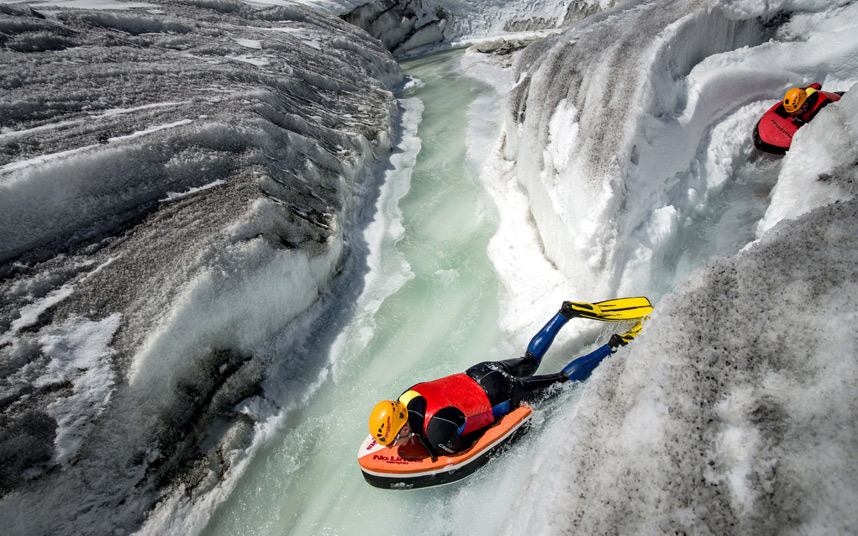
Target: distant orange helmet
793, 99
386, 420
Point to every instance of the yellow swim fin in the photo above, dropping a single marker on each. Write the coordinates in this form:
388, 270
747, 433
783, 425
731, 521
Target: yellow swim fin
613, 310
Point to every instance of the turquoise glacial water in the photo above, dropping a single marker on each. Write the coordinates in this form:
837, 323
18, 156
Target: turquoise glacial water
429, 309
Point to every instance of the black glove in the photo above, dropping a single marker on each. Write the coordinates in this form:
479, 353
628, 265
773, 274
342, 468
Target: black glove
567, 310
616, 341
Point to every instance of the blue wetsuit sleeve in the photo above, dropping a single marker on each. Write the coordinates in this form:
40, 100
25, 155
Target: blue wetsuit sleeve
540, 343
580, 369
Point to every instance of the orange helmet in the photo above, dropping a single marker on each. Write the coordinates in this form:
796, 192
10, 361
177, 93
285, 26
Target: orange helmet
793, 99
386, 420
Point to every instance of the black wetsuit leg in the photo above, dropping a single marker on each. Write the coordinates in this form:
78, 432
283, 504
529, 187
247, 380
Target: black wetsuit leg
506, 391
494, 379
535, 388
509, 382
520, 367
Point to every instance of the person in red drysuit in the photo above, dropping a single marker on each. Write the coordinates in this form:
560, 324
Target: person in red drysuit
442, 414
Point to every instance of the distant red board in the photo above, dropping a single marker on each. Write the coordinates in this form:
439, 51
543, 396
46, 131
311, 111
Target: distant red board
774, 132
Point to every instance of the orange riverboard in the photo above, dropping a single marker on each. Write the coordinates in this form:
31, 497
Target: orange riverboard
411, 466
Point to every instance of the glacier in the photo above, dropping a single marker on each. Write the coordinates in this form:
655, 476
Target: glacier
184, 186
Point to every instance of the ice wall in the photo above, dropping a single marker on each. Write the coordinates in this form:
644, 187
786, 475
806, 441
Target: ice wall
406, 25
400, 26
734, 411
179, 185
611, 124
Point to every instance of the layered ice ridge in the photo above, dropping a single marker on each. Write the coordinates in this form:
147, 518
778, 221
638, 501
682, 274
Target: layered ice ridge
180, 185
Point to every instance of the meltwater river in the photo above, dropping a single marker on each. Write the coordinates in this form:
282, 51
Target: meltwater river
429, 309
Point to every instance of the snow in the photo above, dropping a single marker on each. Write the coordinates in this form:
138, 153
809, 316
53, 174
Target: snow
174, 196
80, 353
154, 128
122, 111
30, 313
249, 43
89, 4
259, 61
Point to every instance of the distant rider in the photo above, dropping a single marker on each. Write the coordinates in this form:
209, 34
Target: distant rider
442, 414
803, 103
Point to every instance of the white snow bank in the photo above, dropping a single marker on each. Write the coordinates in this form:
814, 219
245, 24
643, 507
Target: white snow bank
80, 354
530, 282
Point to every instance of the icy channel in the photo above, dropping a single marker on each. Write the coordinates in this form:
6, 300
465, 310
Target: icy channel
429, 309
